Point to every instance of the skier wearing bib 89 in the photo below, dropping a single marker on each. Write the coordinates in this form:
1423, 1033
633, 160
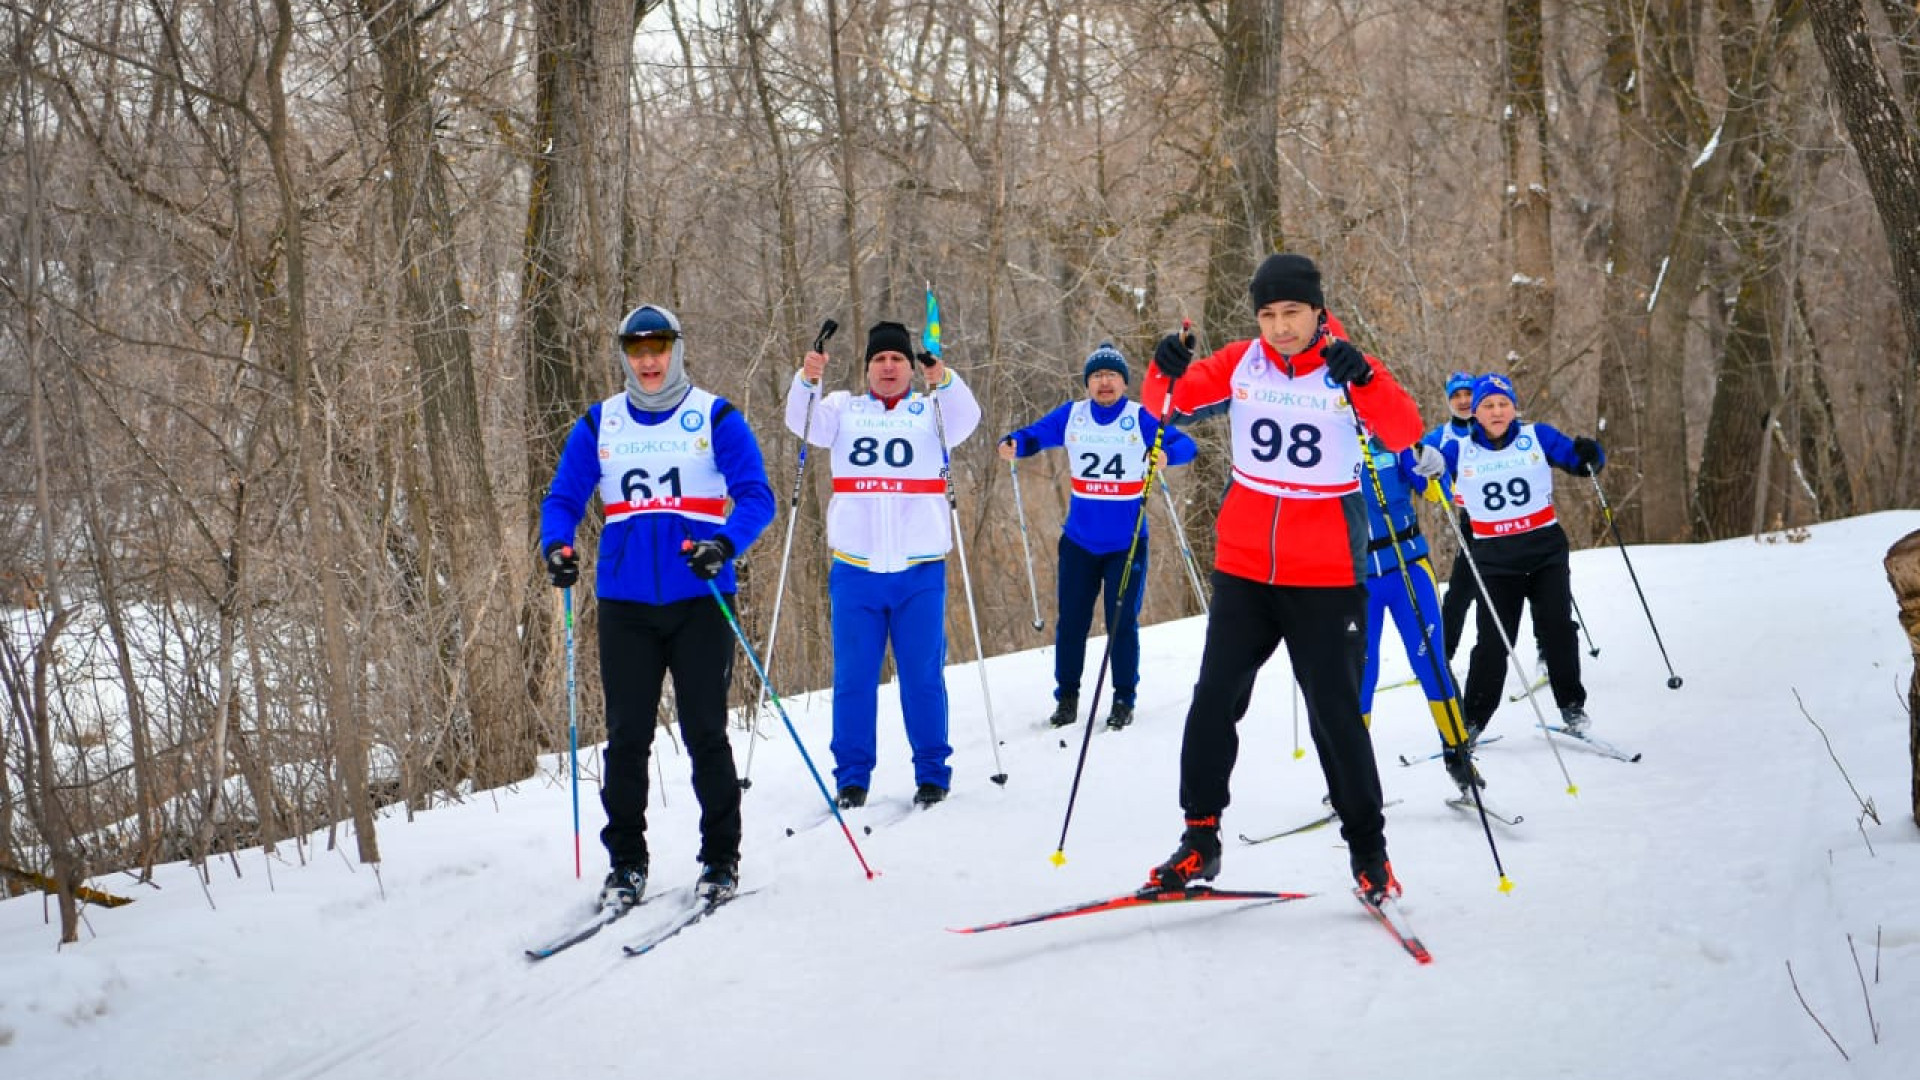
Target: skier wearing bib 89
1290, 564
1400, 582
1107, 439
888, 527
665, 457
1502, 476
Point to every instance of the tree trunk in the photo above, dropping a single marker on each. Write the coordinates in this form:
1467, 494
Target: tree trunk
1529, 196
55, 823
1641, 415
1889, 154
1244, 192
485, 654
1758, 152
349, 740
1903, 572
570, 277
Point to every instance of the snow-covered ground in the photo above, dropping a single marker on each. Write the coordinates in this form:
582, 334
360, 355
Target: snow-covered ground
1648, 934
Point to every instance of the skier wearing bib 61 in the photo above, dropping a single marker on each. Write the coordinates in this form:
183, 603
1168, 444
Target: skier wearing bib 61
666, 458
1291, 559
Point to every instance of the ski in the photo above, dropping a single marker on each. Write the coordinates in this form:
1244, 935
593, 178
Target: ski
1327, 818
1388, 914
687, 916
605, 916
1464, 801
885, 812
1143, 898
1598, 746
1437, 754
1538, 685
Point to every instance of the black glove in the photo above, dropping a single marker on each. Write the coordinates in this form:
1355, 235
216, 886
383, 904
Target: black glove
926, 358
1346, 364
1588, 453
563, 566
1172, 356
706, 558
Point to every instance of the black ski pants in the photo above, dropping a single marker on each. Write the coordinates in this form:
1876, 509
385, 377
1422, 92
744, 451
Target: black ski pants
1325, 630
639, 645
1549, 591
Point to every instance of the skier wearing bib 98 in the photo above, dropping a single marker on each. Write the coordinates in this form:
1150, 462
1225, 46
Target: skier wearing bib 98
1502, 477
888, 527
1106, 438
666, 458
1290, 564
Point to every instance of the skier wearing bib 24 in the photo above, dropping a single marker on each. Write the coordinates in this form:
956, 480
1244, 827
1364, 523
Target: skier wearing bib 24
887, 526
1290, 561
1107, 439
1503, 477
665, 457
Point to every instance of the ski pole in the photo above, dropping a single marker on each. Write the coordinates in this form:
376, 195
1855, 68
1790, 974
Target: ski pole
573, 727
1298, 750
1673, 681
786, 553
1121, 607
760, 670
1186, 551
1020, 511
930, 337
1428, 632
1592, 649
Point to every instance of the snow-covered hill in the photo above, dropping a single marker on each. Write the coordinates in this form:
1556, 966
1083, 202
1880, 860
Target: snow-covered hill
1648, 935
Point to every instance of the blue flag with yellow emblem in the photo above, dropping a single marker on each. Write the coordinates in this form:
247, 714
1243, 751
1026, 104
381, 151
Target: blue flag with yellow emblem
930, 334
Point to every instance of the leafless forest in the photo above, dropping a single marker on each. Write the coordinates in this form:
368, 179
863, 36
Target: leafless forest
301, 297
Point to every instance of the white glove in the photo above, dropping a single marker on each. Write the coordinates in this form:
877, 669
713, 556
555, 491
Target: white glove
1428, 462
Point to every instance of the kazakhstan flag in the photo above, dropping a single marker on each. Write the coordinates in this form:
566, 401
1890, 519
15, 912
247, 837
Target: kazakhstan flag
930, 335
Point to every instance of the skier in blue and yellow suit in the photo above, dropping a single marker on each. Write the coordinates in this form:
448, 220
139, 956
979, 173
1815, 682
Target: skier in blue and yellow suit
1398, 573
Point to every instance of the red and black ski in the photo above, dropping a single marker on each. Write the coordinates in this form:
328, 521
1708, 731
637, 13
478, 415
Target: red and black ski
1389, 915
1143, 898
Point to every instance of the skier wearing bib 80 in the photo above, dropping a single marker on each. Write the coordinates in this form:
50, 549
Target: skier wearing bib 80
1106, 438
1290, 564
1502, 477
888, 527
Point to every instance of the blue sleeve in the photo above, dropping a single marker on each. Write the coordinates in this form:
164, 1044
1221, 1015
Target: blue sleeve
1176, 444
575, 479
737, 453
1557, 447
1043, 434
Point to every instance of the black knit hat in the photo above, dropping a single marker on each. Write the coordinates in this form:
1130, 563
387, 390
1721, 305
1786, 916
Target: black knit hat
889, 337
1286, 277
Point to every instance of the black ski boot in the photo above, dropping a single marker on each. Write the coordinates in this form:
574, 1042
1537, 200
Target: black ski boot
851, 796
1196, 859
718, 881
1063, 711
1374, 878
1460, 766
1120, 717
928, 794
626, 883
